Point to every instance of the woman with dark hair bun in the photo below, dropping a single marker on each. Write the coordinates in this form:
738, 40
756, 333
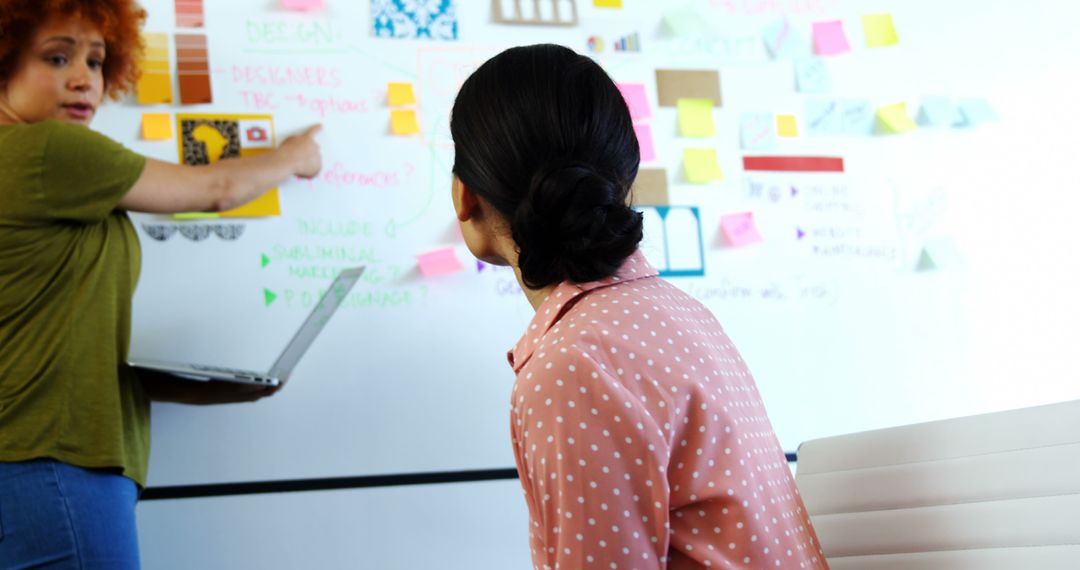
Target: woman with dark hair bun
640, 438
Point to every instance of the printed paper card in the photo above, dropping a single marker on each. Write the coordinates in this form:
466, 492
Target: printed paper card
812, 75
438, 262
400, 94
782, 40
155, 83
207, 138
757, 131
895, 119
739, 229
645, 143
830, 38
672, 240
701, 165
879, 30
696, 118
636, 100
408, 19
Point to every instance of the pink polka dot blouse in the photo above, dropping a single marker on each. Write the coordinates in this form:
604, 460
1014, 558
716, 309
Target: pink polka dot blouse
641, 439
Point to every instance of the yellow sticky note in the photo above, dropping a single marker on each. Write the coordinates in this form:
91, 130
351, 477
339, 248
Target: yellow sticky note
895, 118
701, 165
156, 127
607, 3
404, 122
696, 117
786, 126
879, 30
398, 94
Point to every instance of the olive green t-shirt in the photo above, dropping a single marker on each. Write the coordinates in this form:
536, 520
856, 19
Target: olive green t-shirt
69, 261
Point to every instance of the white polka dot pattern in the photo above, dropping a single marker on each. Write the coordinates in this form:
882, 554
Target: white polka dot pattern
642, 441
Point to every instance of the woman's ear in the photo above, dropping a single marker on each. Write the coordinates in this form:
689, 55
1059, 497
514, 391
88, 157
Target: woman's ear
466, 203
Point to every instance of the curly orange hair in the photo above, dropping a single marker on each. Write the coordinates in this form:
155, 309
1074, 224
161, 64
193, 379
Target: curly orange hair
119, 22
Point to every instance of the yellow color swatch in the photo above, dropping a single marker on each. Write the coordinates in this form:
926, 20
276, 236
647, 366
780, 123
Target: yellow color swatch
266, 205
701, 165
786, 126
607, 3
155, 84
156, 127
696, 118
894, 118
398, 94
404, 122
879, 30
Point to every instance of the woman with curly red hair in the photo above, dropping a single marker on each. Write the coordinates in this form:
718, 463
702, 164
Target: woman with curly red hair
74, 418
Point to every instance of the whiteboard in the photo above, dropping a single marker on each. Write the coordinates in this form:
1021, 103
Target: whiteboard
411, 374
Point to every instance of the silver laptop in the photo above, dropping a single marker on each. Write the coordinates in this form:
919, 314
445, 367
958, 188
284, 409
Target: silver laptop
289, 357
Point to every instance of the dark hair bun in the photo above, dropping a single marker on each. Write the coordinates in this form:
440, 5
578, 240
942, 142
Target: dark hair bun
573, 224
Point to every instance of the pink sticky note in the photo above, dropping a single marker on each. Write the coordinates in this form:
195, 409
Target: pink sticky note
830, 38
645, 144
634, 93
439, 262
302, 4
739, 229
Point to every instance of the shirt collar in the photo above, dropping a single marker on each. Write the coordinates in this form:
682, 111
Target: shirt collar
566, 295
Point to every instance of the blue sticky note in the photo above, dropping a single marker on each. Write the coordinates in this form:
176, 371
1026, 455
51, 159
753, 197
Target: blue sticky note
757, 131
812, 76
783, 41
823, 117
937, 111
976, 111
857, 117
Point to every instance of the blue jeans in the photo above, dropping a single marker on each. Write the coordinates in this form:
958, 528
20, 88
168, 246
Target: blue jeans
55, 515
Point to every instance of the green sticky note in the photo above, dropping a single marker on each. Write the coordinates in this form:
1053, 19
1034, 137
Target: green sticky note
879, 30
696, 118
895, 119
701, 165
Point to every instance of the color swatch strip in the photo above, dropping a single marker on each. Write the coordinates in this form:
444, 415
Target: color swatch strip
155, 85
189, 13
193, 67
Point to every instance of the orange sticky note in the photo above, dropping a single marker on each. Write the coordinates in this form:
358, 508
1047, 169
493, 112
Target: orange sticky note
399, 94
404, 122
786, 126
439, 262
156, 127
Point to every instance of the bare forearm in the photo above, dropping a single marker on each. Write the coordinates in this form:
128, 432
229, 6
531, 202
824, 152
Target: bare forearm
241, 181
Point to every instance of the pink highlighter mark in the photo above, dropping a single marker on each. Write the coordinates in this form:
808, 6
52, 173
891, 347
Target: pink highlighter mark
645, 143
438, 262
302, 5
739, 229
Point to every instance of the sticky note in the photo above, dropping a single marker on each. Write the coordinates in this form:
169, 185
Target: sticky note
650, 187
156, 127
269, 204
399, 94
645, 143
822, 117
701, 165
787, 126
976, 111
938, 111
302, 5
757, 131
607, 3
879, 30
857, 117
404, 122
830, 38
675, 84
894, 118
781, 40
439, 262
739, 229
812, 75
636, 101
696, 118
938, 253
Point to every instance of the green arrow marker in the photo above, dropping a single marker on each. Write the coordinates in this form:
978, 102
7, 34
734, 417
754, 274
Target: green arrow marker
269, 296
265, 260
